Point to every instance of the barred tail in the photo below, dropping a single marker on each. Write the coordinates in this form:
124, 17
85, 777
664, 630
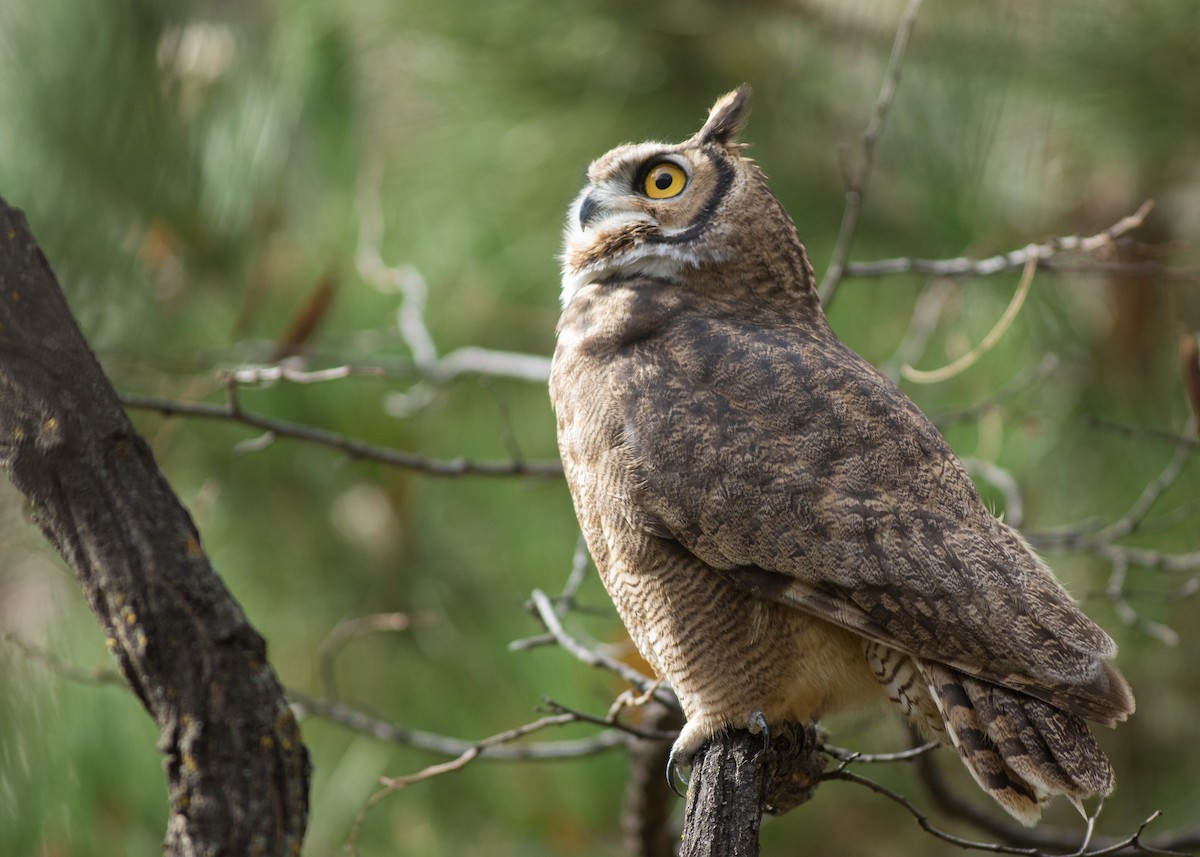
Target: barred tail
1021, 750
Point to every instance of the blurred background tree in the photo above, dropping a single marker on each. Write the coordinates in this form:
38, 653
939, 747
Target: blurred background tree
197, 171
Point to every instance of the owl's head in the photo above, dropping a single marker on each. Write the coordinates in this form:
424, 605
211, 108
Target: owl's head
659, 210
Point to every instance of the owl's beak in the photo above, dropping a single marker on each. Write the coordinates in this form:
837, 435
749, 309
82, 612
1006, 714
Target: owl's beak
589, 210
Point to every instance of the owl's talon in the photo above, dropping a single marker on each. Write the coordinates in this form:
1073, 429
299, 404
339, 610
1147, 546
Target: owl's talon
691, 738
674, 763
758, 725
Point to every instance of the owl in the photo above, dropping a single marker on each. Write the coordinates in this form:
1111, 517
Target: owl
782, 531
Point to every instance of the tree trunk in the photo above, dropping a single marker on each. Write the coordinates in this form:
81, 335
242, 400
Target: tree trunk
238, 774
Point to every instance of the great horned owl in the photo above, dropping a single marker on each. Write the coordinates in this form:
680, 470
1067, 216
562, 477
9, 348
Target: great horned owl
783, 532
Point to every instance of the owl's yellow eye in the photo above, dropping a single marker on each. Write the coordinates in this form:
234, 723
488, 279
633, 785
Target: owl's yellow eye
664, 181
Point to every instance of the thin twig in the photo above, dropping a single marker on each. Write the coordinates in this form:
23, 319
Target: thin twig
611, 721
1102, 542
545, 611
358, 721
61, 666
951, 801
345, 631
1115, 591
1144, 433
1025, 380
1131, 520
407, 282
1010, 262
935, 376
356, 449
1005, 483
1131, 844
847, 756
289, 370
962, 267
565, 602
579, 568
857, 179
479, 749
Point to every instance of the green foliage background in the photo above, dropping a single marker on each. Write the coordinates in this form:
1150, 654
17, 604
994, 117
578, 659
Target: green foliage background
191, 169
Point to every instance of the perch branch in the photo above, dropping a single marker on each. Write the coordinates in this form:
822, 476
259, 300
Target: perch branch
724, 805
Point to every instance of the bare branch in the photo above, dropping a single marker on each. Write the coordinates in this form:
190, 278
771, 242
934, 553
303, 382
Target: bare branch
950, 800
357, 721
647, 809
994, 335
847, 756
355, 449
1131, 520
724, 800
857, 179
1116, 594
289, 370
1102, 542
1131, 845
611, 721
468, 755
545, 610
565, 602
1144, 433
407, 282
498, 364
61, 666
579, 568
1004, 482
477, 749
1047, 254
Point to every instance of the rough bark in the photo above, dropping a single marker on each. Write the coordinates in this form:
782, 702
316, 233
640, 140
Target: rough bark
737, 777
724, 803
238, 773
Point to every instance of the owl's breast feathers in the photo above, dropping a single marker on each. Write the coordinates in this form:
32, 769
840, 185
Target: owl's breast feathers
775, 455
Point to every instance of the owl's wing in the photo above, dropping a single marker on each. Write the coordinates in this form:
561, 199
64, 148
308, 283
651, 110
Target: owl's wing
783, 459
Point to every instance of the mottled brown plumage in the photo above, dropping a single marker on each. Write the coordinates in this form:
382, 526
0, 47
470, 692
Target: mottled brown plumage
782, 531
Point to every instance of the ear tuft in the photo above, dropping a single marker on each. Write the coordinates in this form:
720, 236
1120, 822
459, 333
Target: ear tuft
726, 118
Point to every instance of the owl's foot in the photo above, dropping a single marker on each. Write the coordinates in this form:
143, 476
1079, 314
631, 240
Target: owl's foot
692, 739
683, 751
794, 762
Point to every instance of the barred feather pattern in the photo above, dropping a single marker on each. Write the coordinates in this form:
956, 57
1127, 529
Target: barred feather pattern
1020, 750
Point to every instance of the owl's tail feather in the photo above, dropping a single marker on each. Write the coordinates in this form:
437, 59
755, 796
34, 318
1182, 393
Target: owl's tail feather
1021, 750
